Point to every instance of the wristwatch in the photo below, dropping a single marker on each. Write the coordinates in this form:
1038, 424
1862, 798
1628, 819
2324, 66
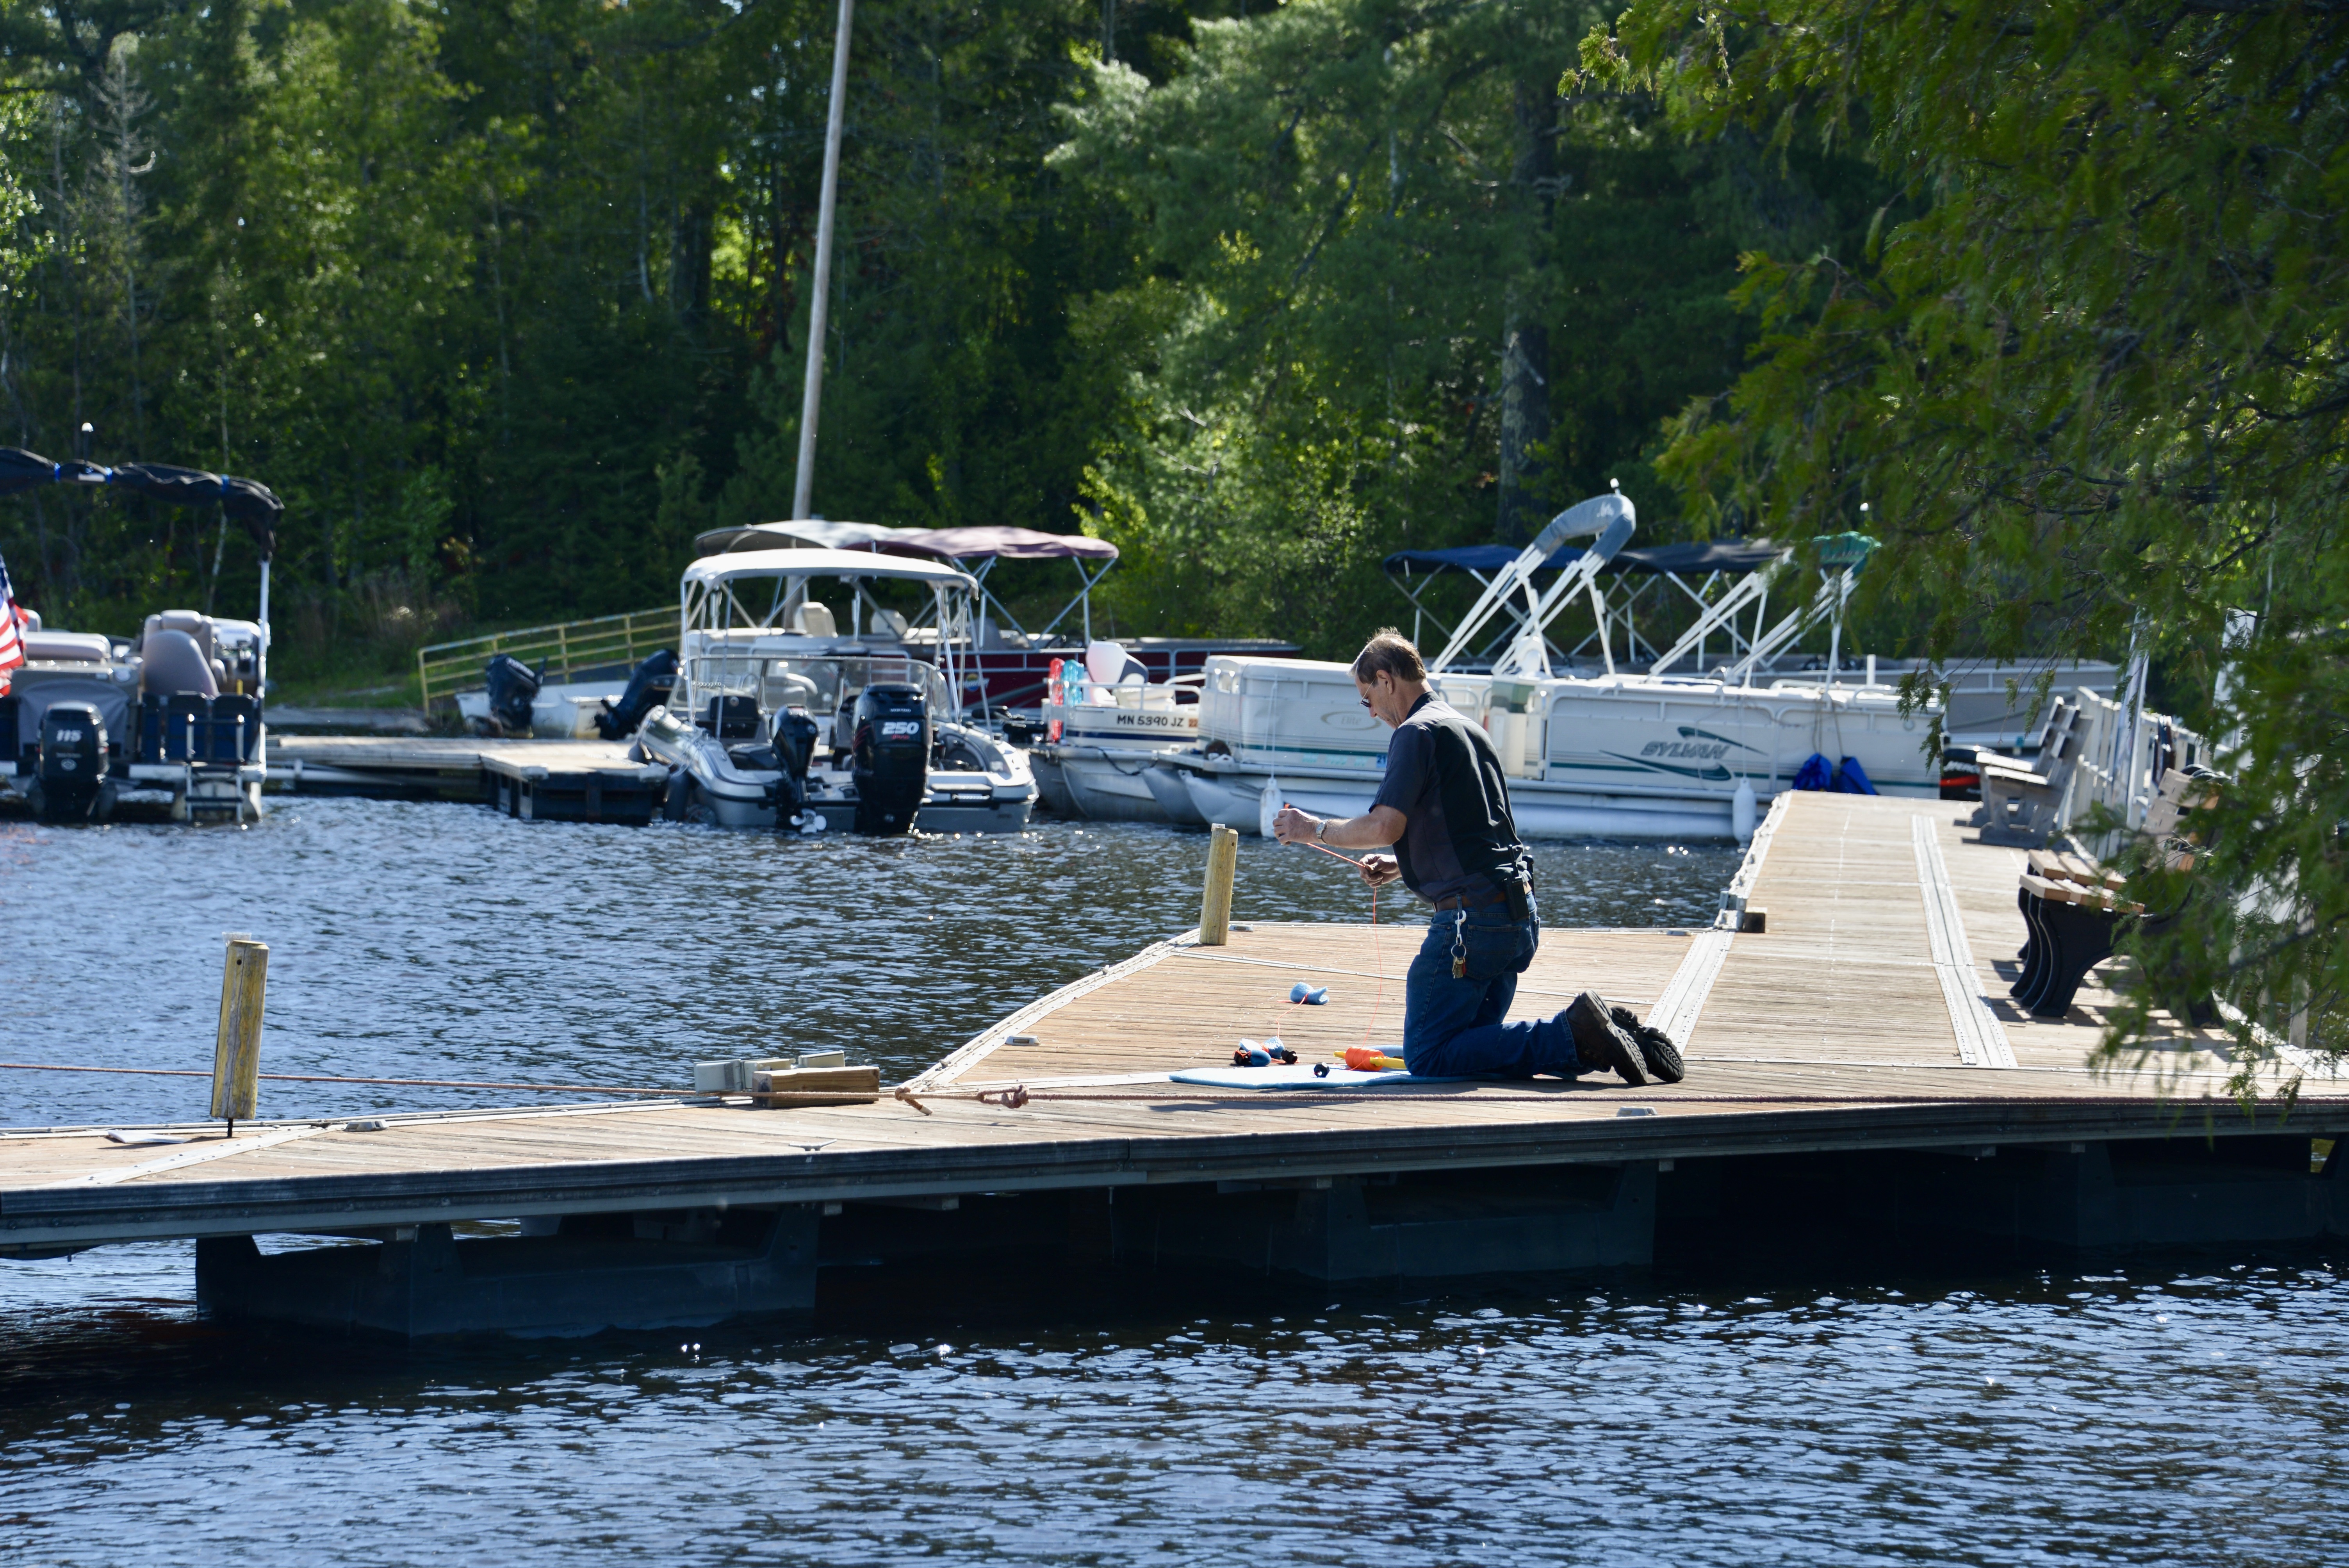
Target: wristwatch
1320, 828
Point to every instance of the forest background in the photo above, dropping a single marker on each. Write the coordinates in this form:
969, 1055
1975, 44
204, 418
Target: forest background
507, 298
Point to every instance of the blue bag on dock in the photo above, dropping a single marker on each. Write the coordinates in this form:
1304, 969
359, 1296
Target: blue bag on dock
1851, 778
1815, 773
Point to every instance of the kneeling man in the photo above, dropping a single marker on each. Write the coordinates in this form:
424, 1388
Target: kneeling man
1445, 808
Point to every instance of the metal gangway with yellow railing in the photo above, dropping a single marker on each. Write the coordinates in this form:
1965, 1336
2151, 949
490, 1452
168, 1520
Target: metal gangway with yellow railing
568, 649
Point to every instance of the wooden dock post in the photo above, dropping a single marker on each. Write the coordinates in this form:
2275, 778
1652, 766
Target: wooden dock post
236, 1055
1215, 907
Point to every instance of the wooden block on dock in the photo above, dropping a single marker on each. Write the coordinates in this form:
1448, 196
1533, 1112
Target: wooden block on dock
816, 1086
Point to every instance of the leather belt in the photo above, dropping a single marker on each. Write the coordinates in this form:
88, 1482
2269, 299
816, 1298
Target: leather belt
1468, 900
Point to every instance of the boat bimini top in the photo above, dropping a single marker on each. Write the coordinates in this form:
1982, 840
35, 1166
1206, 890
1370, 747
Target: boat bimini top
975, 548
711, 571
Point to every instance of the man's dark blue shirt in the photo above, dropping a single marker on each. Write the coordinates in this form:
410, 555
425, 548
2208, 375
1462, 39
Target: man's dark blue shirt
1445, 777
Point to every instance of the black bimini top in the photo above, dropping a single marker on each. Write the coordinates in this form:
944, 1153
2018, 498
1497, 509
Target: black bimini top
249, 502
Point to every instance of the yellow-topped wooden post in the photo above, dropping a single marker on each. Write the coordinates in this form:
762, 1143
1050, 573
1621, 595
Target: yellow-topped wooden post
236, 1056
1215, 907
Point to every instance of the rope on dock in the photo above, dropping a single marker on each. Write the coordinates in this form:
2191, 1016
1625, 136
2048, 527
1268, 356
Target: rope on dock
1020, 1094
324, 1077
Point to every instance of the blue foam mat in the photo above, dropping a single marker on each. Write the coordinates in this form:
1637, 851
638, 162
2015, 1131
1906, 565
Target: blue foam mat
1297, 1077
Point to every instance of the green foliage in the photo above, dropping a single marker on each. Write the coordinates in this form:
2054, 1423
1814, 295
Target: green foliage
2095, 388
507, 297
1349, 210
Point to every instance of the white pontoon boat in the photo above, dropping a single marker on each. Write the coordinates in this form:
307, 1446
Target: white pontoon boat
1611, 755
1105, 725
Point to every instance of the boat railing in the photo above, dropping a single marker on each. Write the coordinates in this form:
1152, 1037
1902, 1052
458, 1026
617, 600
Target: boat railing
566, 648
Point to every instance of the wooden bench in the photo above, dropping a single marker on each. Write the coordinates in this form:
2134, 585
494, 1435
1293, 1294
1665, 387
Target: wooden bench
2073, 911
2024, 805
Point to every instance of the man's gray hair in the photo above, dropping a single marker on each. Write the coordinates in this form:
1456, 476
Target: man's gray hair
1391, 652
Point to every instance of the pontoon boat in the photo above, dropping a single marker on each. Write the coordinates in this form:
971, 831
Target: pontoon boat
90, 722
1610, 755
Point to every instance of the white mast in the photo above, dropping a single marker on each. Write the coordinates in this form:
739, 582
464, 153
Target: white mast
812, 391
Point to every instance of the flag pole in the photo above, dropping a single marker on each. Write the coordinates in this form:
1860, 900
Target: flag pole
820, 298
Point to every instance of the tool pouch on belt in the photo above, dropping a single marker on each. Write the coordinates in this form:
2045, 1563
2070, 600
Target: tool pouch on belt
1517, 890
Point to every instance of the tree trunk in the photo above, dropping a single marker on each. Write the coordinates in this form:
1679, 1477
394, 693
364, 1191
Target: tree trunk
1524, 422
1525, 339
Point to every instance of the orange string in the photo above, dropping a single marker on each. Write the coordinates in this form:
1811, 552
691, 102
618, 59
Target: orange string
1376, 962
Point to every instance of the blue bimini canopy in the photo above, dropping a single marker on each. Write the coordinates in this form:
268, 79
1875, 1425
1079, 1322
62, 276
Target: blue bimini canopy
1731, 557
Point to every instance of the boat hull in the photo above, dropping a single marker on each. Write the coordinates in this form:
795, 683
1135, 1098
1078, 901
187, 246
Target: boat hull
1106, 754
709, 787
1112, 785
1052, 783
1615, 757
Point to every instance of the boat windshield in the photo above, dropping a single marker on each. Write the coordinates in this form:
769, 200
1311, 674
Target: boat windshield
822, 681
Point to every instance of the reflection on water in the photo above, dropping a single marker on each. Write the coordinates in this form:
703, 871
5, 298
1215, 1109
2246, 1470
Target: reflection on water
1873, 1417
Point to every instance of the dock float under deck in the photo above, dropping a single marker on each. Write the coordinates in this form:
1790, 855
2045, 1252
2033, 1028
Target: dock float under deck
1868, 1024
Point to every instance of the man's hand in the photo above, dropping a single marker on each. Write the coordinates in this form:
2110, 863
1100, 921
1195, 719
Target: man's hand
1380, 870
1295, 827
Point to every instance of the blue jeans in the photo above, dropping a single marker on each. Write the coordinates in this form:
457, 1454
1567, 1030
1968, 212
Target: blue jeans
1453, 1029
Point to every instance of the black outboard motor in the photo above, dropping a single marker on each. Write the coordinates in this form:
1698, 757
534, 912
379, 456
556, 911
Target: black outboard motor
794, 747
513, 686
73, 761
890, 757
648, 688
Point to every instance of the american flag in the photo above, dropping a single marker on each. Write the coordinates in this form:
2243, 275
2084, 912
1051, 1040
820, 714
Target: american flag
12, 627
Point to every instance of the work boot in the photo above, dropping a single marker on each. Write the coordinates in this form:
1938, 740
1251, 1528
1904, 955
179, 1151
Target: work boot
1662, 1057
1601, 1043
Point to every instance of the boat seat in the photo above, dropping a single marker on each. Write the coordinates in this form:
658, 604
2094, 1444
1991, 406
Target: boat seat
814, 619
194, 623
172, 663
69, 648
733, 718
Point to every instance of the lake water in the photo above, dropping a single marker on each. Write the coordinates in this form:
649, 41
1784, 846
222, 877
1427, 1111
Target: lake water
2179, 1410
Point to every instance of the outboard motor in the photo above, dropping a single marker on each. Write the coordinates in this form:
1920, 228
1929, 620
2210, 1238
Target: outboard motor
794, 749
512, 686
890, 757
73, 761
648, 688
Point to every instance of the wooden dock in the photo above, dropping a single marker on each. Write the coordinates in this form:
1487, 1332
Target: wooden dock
1869, 1018
540, 781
